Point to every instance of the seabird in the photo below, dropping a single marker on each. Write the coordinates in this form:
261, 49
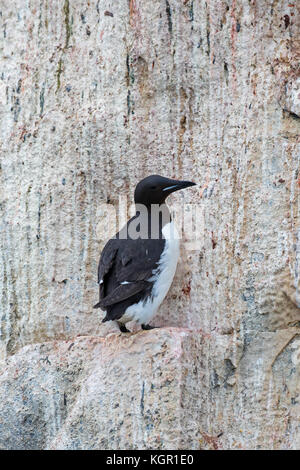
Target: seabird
137, 265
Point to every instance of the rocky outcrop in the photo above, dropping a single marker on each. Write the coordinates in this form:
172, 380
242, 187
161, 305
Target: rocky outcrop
166, 388
118, 392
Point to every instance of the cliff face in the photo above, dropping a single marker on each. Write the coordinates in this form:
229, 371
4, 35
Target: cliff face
95, 96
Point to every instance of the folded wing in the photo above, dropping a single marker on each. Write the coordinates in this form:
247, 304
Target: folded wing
125, 268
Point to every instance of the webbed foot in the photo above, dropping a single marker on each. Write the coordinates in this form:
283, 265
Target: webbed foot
123, 328
148, 327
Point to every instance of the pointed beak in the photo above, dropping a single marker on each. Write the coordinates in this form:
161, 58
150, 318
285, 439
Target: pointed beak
176, 185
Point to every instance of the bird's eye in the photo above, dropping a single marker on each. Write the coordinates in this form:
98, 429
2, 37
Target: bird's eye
153, 187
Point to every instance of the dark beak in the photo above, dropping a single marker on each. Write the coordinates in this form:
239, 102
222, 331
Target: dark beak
176, 185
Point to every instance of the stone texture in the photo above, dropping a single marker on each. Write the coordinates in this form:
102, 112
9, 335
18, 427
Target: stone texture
68, 395
167, 388
90, 103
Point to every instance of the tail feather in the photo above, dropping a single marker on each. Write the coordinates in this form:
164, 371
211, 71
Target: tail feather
98, 305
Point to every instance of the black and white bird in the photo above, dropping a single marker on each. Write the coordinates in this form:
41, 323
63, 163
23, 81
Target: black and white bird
137, 265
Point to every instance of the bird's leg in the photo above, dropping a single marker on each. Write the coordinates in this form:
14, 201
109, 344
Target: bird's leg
148, 327
122, 327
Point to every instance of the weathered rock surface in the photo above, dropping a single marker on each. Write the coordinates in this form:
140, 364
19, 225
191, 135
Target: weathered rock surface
161, 389
117, 392
96, 95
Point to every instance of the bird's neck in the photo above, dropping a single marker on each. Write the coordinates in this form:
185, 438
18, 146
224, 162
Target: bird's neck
154, 213
151, 219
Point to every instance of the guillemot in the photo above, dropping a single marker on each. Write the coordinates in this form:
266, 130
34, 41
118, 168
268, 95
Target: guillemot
137, 265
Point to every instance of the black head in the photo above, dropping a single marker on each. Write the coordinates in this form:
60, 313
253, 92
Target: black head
155, 189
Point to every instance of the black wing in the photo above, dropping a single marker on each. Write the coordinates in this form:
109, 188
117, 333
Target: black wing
106, 262
125, 268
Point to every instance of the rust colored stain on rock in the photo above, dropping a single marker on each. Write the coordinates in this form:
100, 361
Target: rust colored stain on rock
187, 288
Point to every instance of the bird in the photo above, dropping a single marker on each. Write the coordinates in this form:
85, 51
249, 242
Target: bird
137, 265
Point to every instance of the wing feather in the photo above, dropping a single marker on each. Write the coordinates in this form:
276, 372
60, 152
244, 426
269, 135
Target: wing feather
130, 262
123, 292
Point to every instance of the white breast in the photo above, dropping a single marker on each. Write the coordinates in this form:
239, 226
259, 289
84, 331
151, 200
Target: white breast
162, 278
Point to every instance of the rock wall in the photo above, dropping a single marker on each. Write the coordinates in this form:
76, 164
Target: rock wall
94, 96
